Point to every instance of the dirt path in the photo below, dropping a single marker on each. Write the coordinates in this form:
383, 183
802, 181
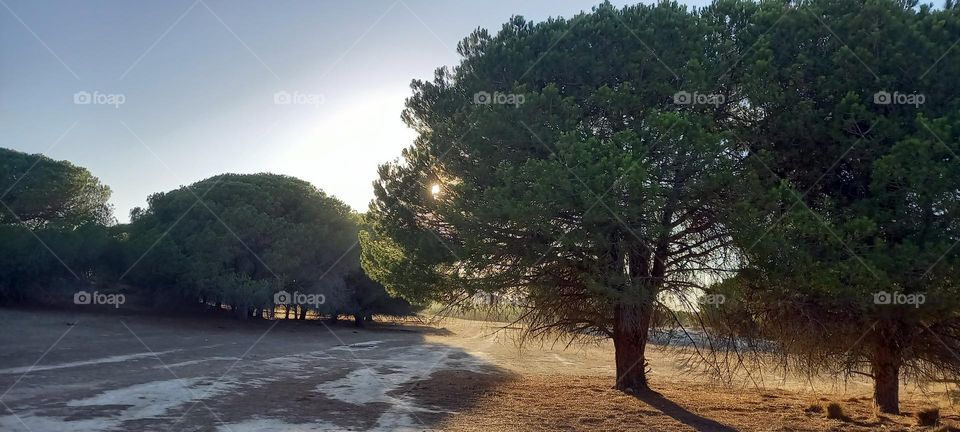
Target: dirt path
62, 371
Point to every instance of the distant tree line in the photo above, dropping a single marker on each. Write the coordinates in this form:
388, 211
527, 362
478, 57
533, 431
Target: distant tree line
261, 245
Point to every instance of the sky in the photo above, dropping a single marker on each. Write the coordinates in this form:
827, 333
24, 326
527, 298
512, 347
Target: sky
151, 96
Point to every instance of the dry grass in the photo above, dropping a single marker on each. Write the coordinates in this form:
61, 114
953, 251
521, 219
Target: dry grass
588, 403
546, 388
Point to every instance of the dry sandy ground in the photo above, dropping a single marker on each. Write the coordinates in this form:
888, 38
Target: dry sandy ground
110, 371
554, 387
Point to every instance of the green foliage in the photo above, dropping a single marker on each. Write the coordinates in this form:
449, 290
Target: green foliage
238, 239
52, 233
46, 265
851, 197
597, 191
40, 192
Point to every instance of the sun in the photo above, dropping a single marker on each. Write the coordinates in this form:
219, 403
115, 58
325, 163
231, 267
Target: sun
435, 189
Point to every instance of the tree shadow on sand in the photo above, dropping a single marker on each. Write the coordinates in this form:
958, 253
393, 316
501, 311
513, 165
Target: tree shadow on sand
681, 414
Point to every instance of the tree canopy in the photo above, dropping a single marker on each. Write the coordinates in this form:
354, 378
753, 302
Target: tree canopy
588, 196
592, 164
854, 129
38, 191
239, 239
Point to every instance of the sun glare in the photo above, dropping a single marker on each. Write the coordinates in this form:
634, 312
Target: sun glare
435, 189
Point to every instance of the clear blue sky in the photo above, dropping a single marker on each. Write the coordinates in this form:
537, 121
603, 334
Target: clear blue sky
199, 79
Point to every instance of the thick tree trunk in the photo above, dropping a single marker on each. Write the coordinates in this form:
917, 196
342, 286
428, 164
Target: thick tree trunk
358, 319
885, 366
303, 313
630, 330
286, 312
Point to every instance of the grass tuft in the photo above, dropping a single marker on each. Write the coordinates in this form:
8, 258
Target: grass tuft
928, 416
835, 412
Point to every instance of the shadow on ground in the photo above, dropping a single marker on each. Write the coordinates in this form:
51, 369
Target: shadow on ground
681, 414
63, 370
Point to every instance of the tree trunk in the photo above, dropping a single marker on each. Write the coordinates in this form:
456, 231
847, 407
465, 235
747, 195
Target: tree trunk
286, 312
303, 313
885, 366
630, 330
334, 317
358, 319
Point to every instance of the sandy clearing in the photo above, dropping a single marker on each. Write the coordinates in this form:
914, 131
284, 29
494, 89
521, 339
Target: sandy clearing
457, 375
